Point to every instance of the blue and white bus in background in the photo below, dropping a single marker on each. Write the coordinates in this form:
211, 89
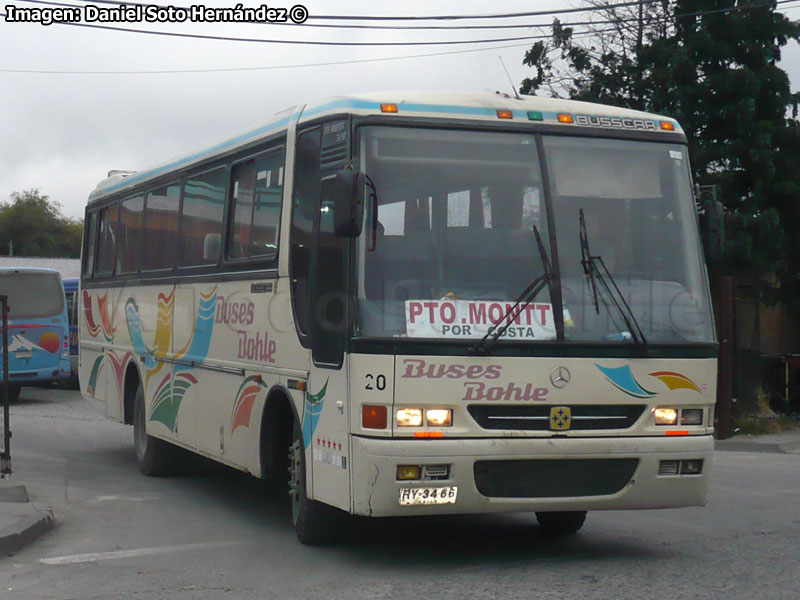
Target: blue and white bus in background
38, 330
71, 293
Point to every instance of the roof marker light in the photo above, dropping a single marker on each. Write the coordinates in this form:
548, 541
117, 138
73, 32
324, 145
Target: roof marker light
667, 125
564, 118
389, 108
504, 114
535, 115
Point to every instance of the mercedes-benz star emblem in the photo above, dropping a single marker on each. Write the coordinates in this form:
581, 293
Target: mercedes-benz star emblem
560, 377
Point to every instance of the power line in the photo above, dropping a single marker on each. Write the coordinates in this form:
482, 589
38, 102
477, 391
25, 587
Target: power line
335, 43
292, 42
266, 68
331, 63
443, 27
443, 17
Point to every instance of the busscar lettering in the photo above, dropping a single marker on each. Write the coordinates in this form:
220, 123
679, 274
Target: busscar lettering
615, 122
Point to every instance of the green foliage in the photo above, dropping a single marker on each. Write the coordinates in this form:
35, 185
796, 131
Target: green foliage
760, 425
717, 73
36, 227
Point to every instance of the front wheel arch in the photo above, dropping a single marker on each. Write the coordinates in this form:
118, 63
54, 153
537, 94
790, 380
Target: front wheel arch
275, 433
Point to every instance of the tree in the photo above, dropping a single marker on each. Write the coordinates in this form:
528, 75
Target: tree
712, 65
35, 226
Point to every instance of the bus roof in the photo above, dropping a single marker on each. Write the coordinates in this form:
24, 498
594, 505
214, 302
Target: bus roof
482, 106
26, 270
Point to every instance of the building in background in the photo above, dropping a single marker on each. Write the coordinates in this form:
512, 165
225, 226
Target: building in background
67, 267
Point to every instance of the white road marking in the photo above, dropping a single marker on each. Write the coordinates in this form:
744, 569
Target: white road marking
98, 556
142, 498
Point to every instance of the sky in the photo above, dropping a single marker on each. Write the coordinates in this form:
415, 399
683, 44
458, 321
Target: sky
62, 132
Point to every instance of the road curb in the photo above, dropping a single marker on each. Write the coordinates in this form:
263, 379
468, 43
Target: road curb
25, 530
21, 521
764, 447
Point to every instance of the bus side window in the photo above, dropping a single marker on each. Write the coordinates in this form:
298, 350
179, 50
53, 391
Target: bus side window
130, 216
89, 244
201, 218
160, 239
72, 308
256, 192
106, 248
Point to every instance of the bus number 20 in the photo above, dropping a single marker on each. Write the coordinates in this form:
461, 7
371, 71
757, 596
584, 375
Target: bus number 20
380, 382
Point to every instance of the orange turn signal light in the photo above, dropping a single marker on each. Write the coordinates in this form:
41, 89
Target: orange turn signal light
504, 114
677, 432
389, 108
373, 416
564, 118
428, 434
667, 125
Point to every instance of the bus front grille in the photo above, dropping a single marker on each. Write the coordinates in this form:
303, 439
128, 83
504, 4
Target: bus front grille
553, 478
594, 417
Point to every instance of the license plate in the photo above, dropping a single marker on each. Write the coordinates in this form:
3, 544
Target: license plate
24, 354
428, 495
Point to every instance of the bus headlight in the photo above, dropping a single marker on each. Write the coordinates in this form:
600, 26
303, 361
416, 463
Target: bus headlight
439, 417
409, 417
666, 416
692, 416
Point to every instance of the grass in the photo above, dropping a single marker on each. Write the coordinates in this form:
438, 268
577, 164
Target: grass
762, 424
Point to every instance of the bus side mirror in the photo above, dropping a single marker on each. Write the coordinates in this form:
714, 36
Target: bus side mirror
348, 202
712, 224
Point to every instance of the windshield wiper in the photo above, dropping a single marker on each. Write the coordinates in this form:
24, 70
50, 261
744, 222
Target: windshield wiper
487, 342
594, 274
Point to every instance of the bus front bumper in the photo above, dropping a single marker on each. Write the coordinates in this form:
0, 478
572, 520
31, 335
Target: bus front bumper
530, 474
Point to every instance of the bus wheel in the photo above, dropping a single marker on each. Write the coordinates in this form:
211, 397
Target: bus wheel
14, 390
310, 518
154, 456
560, 523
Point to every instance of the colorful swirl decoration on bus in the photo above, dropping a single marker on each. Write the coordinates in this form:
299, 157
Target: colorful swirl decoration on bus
622, 378
312, 410
106, 325
178, 378
94, 374
249, 390
94, 329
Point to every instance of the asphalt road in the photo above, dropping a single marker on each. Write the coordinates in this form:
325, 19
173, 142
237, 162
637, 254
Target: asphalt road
214, 533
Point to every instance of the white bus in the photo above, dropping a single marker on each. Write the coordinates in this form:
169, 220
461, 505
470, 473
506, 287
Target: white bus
416, 304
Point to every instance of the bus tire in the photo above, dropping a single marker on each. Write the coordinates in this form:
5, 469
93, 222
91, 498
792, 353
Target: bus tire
560, 523
154, 456
14, 390
312, 520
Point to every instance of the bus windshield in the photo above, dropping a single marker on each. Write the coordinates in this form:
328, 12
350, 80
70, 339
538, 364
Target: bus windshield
455, 245
32, 295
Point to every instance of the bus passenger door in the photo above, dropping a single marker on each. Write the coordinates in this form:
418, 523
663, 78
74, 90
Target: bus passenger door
326, 408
